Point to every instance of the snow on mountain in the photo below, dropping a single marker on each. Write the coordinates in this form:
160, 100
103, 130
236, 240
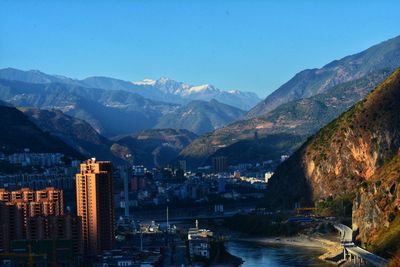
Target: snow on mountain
163, 89
145, 82
206, 92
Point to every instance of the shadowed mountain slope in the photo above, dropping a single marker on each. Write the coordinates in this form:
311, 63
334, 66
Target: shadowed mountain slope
307, 83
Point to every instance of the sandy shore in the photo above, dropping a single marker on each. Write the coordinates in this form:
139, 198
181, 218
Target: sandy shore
331, 247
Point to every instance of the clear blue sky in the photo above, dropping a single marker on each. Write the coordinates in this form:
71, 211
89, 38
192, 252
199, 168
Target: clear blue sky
246, 45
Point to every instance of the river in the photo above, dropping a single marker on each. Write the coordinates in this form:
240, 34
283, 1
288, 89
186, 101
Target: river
256, 254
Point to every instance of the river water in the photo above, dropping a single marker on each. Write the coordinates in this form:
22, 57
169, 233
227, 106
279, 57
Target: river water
256, 254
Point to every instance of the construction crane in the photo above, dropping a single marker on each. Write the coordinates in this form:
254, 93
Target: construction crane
28, 255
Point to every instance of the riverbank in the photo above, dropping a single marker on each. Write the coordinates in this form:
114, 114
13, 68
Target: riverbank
330, 246
221, 257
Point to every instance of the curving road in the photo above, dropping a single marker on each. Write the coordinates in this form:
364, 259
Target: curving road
346, 233
346, 237
367, 256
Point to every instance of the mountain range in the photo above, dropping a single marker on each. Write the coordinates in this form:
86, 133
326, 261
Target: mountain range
152, 148
315, 104
116, 108
114, 112
339, 123
163, 89
304, 84
110, 124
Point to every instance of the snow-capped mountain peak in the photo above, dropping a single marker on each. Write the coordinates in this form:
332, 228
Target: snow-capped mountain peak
164, 89
172, 89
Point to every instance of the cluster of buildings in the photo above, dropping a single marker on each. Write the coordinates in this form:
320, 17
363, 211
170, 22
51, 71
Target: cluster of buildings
144, 187
159, 187
27, 158
37, 171
35, 228
37, 217
62, 177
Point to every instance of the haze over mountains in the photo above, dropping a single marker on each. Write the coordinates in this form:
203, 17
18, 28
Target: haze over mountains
111, 112
307, 83
115, 109
75, 132
86, 118
200, 116
163, 89
18, 133
154, 148
304, 104
168, 90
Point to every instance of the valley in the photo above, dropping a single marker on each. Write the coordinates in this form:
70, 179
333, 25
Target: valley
97, 170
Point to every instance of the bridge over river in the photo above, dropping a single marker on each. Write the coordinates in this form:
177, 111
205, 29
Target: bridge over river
205, 212
355, 254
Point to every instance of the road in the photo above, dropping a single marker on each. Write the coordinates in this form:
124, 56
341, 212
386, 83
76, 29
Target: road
346, 237
346, 233
367, 256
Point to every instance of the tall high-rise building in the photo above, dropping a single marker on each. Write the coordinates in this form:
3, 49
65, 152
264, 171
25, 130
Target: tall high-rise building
126, 175
182, 165
94, 195
219, 164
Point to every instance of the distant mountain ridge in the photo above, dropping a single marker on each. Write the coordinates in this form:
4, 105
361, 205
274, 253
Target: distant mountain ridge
205, 92
115, 112
163, 89
305, 103
109, 112
307, 83
18, 133
295, 120
200, 116
75, 132
154, 148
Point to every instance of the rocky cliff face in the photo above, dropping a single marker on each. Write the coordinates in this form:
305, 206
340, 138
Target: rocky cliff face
350, 149
353, 157
376, 209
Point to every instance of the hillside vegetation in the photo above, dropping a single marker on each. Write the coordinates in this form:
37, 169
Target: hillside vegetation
356, 155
